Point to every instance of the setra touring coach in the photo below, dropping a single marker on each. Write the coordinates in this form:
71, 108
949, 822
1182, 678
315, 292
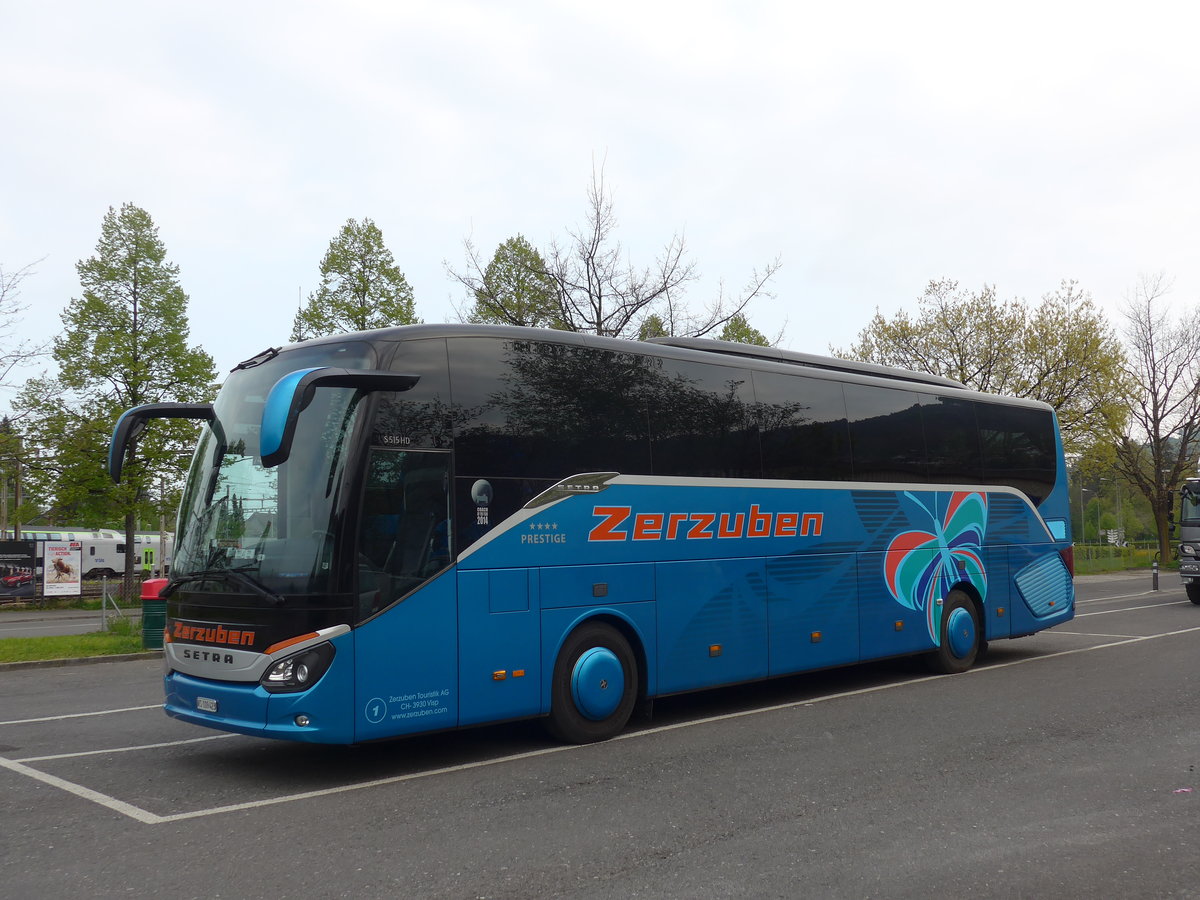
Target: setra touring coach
436, 526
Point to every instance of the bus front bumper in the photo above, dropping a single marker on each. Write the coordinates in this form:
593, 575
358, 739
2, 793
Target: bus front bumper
312, 716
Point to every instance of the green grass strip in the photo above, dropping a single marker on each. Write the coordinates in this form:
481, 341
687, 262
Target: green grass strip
70, 646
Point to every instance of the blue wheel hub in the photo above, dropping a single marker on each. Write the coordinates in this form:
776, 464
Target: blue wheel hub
960, 632
597, 683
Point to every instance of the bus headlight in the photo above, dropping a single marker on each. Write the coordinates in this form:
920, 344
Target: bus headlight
300, 671
1187, 550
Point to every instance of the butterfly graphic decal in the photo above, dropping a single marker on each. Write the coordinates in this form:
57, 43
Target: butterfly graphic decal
921, 566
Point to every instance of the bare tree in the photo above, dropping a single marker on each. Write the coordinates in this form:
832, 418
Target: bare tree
600, 291
595, 288
1157, 446
13, 354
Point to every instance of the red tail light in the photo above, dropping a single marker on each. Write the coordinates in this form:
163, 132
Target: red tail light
1068, 558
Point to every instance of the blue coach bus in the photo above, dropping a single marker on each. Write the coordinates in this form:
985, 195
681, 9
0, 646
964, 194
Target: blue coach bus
436, 526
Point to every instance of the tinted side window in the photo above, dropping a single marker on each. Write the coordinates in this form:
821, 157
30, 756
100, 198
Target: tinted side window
536, 409
483, 442
886, 438
702, 421
1018, 447
421, 416
951, 440
802, 423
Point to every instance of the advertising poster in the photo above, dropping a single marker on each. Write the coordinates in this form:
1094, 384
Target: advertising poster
17, 568
61, 565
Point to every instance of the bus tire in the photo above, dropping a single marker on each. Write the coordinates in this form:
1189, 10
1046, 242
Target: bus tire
961, 637
1193, 592
595, 685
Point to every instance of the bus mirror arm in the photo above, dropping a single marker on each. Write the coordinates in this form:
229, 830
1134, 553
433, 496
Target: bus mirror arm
293, 392
133, 422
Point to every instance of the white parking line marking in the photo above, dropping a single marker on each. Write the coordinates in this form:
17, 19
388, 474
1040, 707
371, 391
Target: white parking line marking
1132, 640
150, 818
99, 712
199, 740
1117, 597
125, 809
1108, 612
1095, 634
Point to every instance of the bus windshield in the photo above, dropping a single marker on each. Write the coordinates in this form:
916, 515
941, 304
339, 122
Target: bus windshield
244, 528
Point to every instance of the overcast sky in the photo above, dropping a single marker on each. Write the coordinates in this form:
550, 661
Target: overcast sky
870, 146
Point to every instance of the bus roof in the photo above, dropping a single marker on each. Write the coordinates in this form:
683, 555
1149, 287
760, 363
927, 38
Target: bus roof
718, 351
812, 360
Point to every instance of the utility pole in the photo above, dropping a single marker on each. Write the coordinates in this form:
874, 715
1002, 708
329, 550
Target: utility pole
162, 525
9, 459
17, 492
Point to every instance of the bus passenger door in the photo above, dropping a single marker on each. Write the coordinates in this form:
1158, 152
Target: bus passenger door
405, 648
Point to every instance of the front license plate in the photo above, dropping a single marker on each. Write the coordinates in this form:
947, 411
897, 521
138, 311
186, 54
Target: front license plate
206, 704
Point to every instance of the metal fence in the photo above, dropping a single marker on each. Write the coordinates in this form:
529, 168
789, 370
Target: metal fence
94, 592
1094, 559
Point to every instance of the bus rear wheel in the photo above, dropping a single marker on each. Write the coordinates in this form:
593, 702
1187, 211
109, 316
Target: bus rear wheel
595, 685
961, 638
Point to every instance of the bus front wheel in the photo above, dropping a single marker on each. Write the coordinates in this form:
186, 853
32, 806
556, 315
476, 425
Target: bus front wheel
961, 638
1193, 592
595, 685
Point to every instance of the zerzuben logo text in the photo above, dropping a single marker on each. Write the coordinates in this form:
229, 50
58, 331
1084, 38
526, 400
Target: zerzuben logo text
615, 525
207, 634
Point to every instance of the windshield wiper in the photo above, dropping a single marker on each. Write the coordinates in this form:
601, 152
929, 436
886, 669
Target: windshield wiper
229, 576
266, 356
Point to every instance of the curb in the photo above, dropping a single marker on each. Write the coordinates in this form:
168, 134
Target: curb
79, 661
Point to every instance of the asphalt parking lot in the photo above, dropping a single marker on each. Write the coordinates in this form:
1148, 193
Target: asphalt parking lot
1066, 762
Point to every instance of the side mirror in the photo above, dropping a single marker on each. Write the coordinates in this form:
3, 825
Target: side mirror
293, 392
133, 422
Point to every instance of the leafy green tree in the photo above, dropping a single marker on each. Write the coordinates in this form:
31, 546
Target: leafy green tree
652, 326
740, 331
361, 287
1062, 351
737, 330
122, 344
513, 289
